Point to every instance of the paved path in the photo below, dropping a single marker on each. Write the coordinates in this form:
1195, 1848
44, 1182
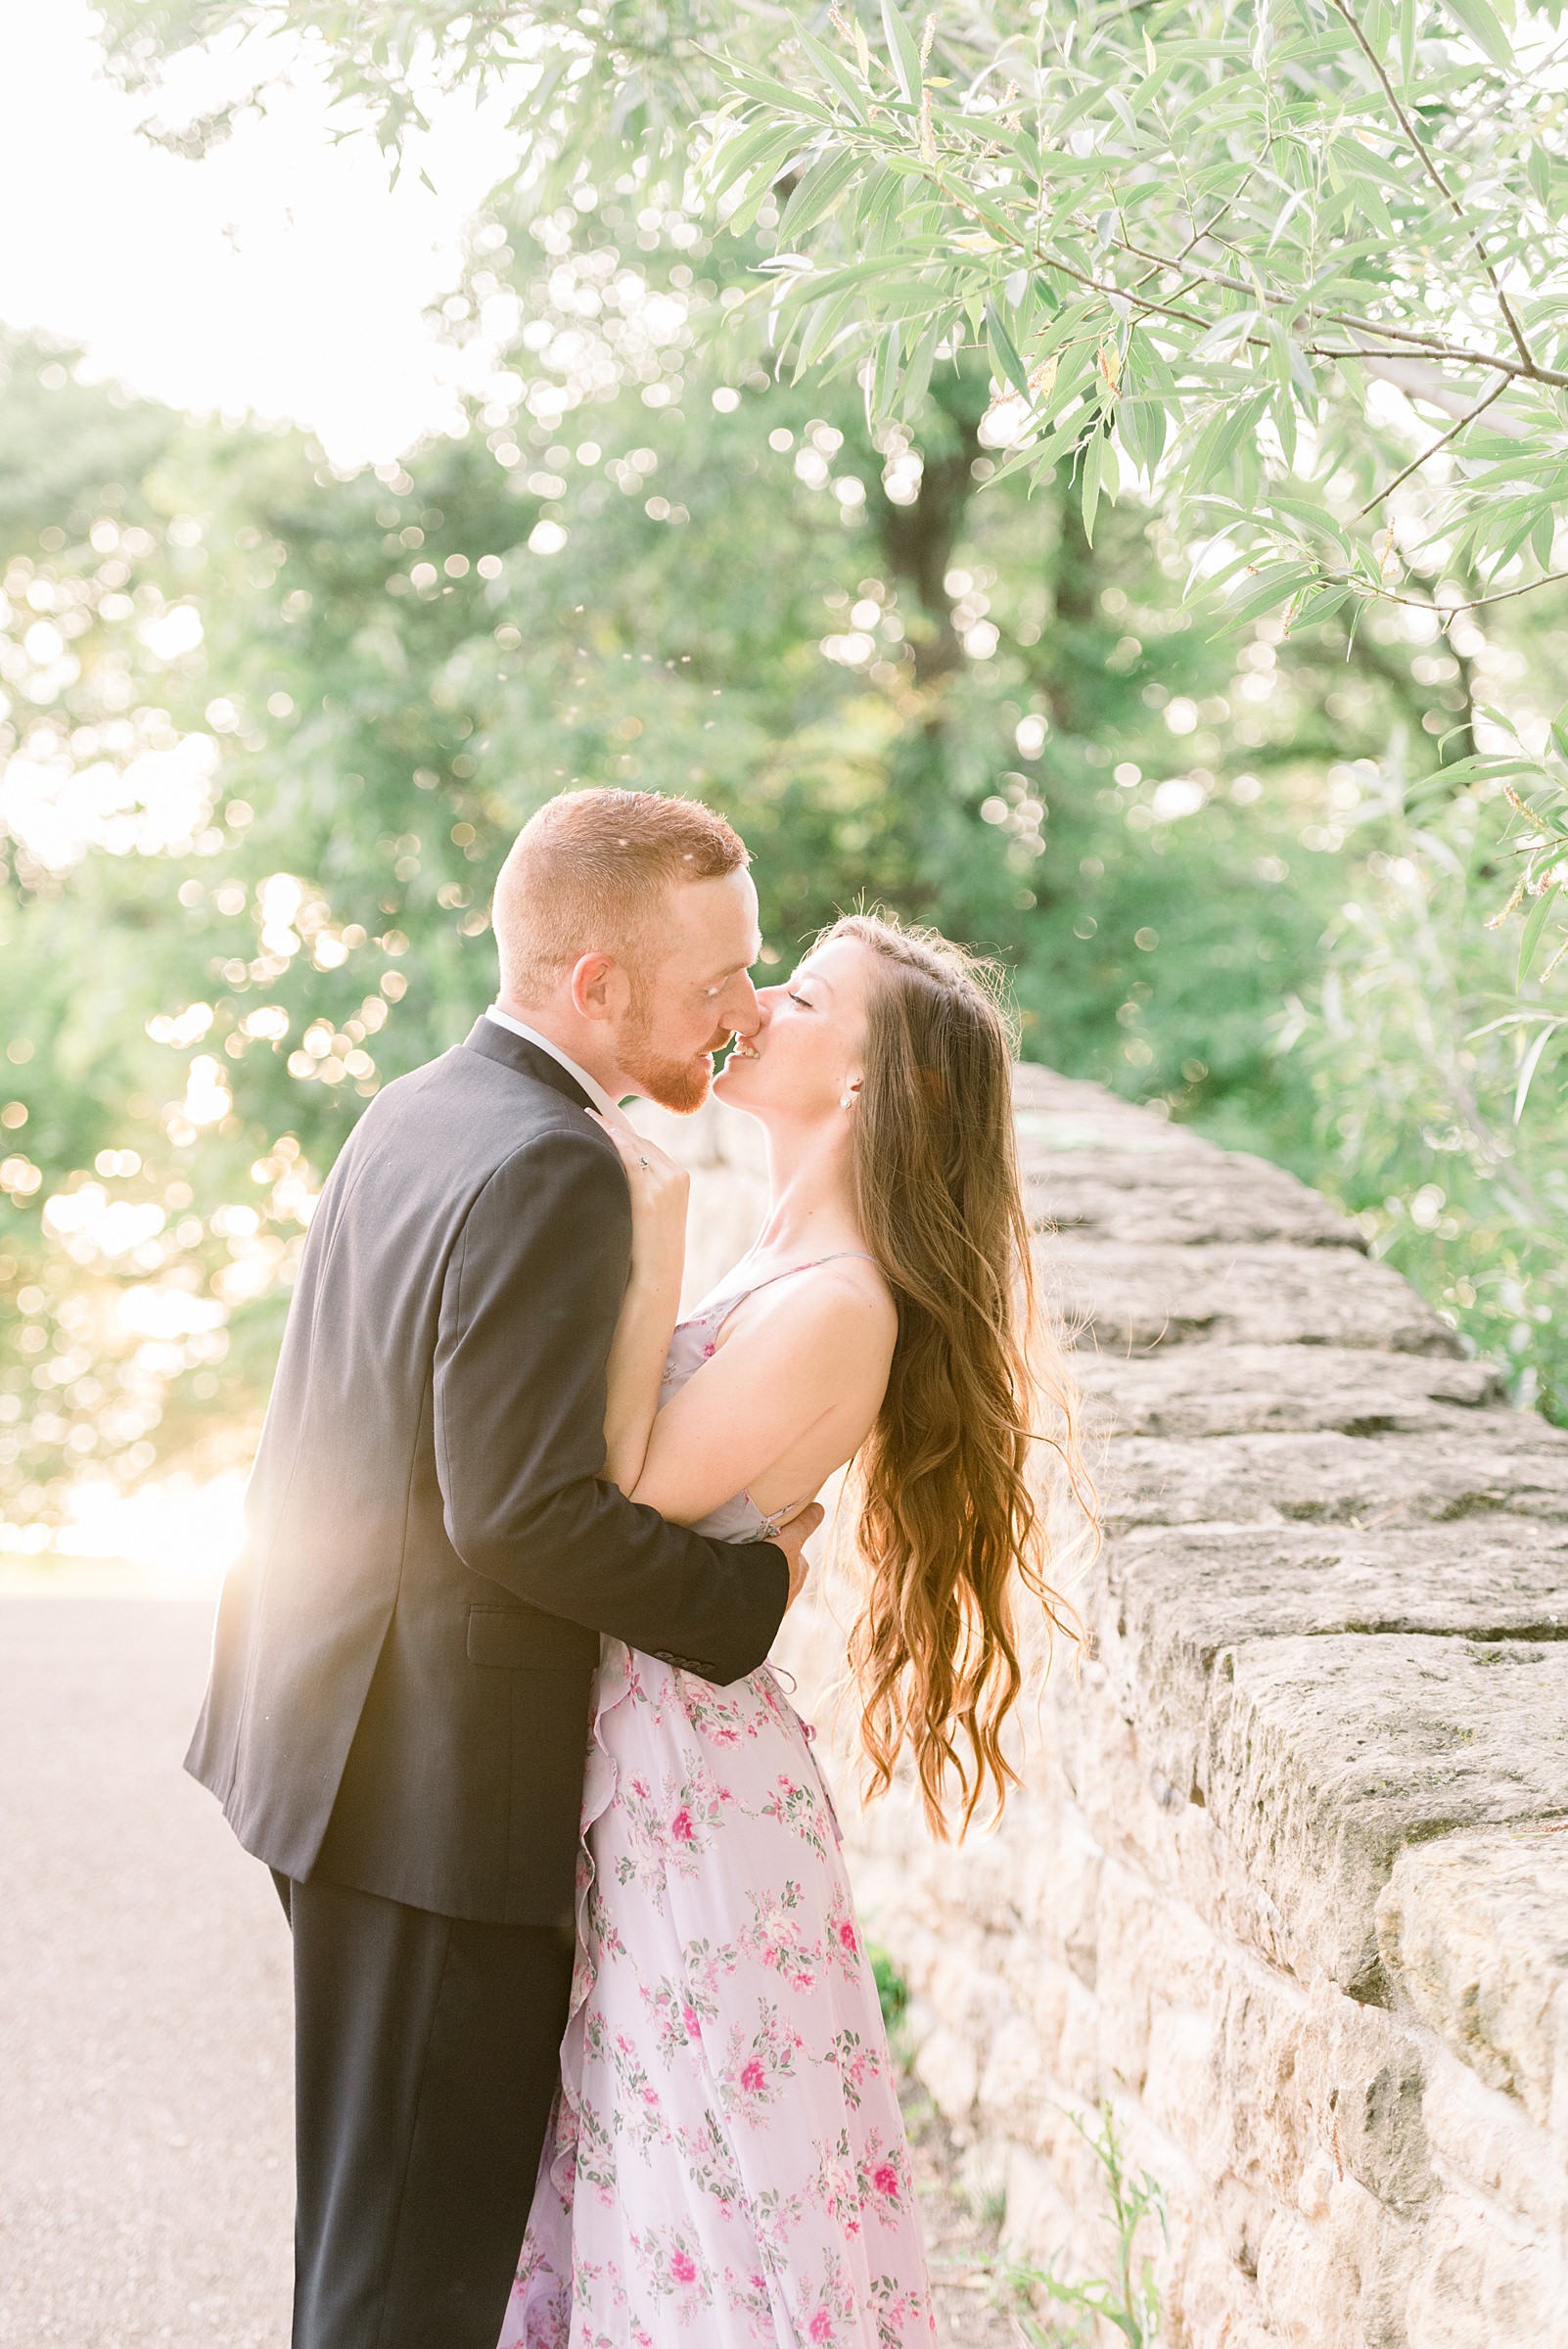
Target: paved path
145, 2194
145, 2156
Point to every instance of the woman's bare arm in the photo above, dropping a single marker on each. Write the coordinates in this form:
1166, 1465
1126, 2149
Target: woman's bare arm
790, 1394
651, 1302
636, 1364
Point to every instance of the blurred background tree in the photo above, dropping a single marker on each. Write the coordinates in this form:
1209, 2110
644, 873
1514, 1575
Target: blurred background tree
270, 731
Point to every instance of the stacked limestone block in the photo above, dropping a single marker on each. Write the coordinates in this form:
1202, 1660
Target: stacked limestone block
1289, 1874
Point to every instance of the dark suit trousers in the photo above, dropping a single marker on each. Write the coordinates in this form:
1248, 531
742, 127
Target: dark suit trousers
425, 2059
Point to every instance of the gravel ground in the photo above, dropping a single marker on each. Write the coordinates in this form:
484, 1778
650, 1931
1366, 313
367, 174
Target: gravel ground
961, 2246
145, 2195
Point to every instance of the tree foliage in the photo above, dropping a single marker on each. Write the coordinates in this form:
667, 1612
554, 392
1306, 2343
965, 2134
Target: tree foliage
1440, 1100
1294, 272
1193, 239
270, 732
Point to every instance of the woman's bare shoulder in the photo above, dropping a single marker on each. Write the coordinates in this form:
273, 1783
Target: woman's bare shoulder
845, 1302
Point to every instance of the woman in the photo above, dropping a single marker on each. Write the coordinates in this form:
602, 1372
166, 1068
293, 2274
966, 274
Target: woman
727, 2161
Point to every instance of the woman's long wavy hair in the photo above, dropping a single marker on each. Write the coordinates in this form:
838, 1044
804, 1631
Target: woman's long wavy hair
950, 1530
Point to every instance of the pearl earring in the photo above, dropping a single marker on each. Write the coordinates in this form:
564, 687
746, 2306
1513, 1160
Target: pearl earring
846, 1100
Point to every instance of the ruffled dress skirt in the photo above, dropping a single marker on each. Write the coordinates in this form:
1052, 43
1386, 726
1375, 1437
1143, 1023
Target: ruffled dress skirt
726, 2164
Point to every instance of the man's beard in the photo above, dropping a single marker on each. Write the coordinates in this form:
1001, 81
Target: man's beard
682, 1086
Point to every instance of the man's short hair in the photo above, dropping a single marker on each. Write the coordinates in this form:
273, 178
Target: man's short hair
586, 875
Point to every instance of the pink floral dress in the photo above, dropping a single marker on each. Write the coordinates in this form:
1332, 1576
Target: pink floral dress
726, 2164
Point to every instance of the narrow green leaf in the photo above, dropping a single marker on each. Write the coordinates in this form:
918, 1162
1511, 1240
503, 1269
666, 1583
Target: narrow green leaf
1531, 1063
1211, 459
917, 375
904, 53
1142, 424
816, 193
788, 105
1020, 312
738, 157
1407, 42
1008, 367
1484, 27
1225, 334
881, 196
1533, 928
1310, 515
1149, 88
835, 73
1477, 770
1538, 171
1282, 366
1090, 492
1559, 730
1274, 585
819, 330
1319, 603
885, 374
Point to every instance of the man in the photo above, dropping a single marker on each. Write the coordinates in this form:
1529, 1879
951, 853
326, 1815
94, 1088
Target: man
398, 1711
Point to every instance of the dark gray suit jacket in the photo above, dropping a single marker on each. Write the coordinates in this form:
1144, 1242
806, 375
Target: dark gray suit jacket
400, 1675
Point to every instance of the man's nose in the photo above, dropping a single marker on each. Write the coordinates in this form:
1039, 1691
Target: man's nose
743, 1013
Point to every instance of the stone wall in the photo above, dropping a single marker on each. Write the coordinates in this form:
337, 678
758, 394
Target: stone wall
1288, 1877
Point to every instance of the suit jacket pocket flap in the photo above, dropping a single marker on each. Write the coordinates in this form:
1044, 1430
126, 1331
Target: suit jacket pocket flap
525, 1639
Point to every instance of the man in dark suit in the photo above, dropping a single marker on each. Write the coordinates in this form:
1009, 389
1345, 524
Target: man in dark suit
398, 1712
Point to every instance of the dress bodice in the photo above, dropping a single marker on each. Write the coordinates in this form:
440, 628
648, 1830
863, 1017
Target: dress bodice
738, 1519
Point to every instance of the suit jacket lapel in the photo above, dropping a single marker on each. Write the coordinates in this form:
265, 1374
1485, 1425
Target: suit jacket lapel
515, 1052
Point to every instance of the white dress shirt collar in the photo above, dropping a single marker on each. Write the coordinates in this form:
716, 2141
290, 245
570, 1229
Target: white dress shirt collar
530, 1035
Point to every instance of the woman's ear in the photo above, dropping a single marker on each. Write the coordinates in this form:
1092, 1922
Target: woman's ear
850, 1094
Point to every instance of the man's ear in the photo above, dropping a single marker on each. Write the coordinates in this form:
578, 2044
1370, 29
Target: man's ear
600, 988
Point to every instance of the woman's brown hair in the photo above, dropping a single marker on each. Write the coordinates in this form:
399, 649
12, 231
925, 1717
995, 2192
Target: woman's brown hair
949, 1528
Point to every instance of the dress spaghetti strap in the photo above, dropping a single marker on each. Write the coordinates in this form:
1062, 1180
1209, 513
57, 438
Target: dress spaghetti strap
738, 1297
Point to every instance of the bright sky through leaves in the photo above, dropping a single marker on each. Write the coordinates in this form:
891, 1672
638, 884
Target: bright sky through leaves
278, 275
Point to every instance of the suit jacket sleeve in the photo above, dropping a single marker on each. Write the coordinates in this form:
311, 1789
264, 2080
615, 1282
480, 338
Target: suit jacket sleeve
528, 1314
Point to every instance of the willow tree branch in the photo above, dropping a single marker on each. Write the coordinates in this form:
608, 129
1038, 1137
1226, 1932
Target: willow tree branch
1377, 360
1146, 307
1429, 164
1416, 463
1443, 612
1430, 345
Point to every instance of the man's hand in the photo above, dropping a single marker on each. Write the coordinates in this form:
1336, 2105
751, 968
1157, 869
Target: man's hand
791, 1539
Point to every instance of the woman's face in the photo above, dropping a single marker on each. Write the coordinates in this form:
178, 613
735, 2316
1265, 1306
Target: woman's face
809, 1051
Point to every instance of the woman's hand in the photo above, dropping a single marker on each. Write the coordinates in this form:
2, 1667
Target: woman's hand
659, 1190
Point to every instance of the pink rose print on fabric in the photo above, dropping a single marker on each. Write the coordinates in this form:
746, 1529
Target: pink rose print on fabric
725, 2164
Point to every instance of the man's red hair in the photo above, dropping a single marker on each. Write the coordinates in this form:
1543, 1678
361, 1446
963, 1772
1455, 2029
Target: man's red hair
588, 875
